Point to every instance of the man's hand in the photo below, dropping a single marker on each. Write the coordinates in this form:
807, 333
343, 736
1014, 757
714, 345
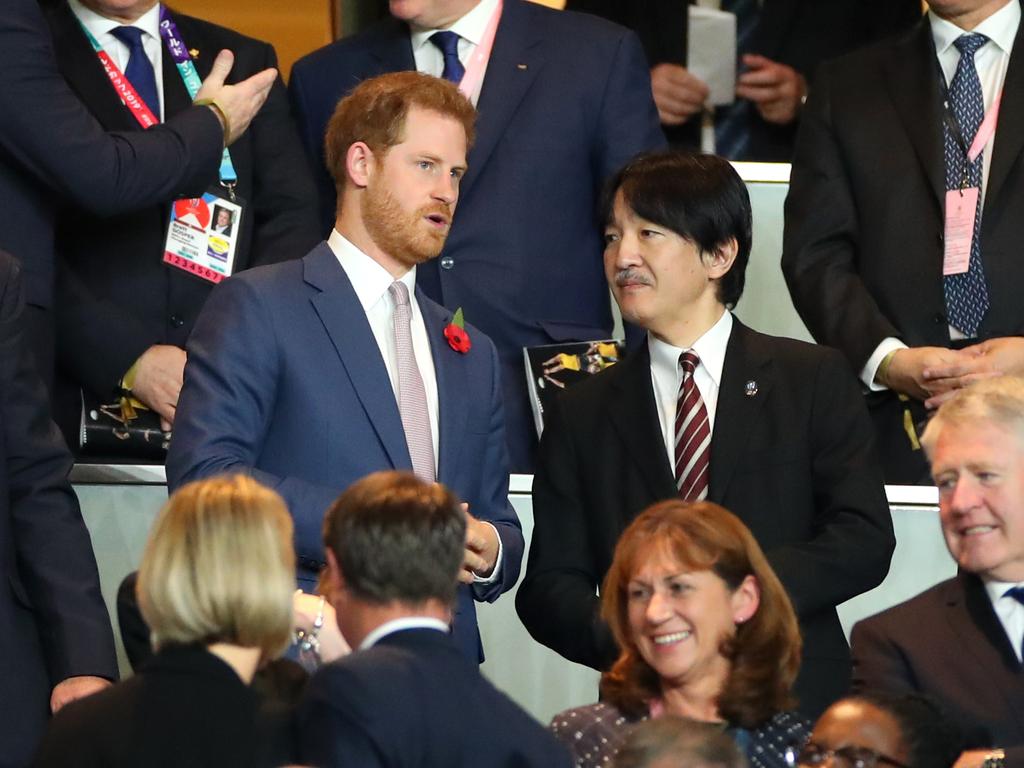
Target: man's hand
776, 89
306, 607
987, 359
906, 370
74, 688
481, 549
972, 758
158, 378
241, 101
678, 94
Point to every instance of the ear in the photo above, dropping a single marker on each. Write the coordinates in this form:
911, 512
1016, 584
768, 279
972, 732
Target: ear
720, 260
746, 599
333, 580
359, 164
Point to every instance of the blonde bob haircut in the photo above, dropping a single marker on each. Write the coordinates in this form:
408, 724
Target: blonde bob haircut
219, 567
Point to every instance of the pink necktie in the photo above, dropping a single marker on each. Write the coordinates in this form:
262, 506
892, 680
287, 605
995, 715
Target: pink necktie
412, 397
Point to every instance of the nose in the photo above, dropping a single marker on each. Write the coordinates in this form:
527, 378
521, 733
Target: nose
657, 609
446, 189
625, 252
964, 496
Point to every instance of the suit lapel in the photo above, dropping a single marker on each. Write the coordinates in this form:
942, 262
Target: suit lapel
736, 410
516, 59
349, 331
635, 417
451, 387
1010, 128
913, 82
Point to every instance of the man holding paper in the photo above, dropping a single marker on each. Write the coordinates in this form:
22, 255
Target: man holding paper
902, 239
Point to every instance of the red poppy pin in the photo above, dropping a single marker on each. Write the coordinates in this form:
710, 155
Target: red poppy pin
456, 334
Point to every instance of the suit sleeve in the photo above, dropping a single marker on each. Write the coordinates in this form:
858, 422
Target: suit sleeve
852, 541
821, 239
227, 402
557, 601
54, 558
46, 130
878, 662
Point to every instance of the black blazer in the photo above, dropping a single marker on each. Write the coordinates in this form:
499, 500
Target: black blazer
794, 461
414, 700
948, 644
186, 707
116, 297
799, 33
55, 623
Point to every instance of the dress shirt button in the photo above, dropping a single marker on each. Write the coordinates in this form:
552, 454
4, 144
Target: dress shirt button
177, 321
447, 262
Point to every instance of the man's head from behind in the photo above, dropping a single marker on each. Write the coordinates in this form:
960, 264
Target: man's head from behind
677, 237
396, 146
395, 546
975, 443
676, 742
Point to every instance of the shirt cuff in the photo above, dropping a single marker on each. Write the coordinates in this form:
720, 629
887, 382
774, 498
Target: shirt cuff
497, 562
867, 373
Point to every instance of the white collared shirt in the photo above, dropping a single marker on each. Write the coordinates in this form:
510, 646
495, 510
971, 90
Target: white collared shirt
666, 376
470, 29
399, 625
1009, 610
100, 28
371, 282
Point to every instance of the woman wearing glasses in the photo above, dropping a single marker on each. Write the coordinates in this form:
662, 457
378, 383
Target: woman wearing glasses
706, 632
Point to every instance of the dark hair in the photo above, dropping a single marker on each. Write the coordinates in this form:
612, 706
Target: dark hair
397, 538
930, 738
375, 111
687, 743
764, 653
699, 197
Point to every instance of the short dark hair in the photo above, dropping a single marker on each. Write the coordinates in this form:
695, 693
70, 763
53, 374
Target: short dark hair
686, 743
699, 197
930, 737
397, 539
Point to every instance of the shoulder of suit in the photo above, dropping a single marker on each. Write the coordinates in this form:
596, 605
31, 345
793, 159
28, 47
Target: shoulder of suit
790, 351
359, 44
864, 60
907, 617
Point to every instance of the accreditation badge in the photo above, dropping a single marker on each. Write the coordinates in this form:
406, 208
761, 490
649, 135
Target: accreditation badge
203, 234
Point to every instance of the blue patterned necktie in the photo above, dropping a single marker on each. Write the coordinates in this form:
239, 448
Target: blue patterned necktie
1017, 593
139, 70
966, 294
448, 43
732, 122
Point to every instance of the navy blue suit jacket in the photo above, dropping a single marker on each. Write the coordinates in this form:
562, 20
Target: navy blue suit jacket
50, 143
445, 714
285, 381
53, 624
565, 102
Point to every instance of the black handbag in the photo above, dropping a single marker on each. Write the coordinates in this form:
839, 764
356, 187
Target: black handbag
120, 430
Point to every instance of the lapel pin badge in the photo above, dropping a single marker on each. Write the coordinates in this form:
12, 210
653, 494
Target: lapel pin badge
194, 53
520, 66
751, 389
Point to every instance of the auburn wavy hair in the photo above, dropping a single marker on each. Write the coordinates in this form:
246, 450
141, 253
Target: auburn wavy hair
764, 652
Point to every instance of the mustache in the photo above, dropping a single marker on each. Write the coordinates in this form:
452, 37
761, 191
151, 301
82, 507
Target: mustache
632, 275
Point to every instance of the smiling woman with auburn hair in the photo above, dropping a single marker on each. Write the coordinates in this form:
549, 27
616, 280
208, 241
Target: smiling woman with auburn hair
706, 631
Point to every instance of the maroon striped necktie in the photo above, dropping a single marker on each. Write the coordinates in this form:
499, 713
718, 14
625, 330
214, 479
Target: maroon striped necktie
693, 435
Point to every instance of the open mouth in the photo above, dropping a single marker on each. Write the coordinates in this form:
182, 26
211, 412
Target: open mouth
977, 530
437, 219
675, 637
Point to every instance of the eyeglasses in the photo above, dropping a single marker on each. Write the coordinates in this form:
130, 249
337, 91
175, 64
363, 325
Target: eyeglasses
845, 757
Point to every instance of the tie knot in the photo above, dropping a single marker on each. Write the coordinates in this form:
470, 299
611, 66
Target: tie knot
968, 45
1017, 593
399, 293
130, 36
447, 41
688, 361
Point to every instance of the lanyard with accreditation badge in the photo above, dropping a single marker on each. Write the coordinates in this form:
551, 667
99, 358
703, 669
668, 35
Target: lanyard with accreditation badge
203, 232
474, 74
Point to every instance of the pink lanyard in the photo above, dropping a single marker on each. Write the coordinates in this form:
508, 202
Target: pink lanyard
986, 129
478, 61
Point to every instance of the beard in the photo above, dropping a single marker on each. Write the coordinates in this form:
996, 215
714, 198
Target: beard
403, 235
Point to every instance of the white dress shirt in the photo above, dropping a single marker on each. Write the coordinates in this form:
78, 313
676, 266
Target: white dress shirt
1009, 611
149, 23
991, 61
470, 29
666, 376
399, 625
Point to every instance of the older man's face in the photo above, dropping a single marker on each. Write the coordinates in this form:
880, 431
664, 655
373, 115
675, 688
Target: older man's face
431, 14
122, 10
979, 469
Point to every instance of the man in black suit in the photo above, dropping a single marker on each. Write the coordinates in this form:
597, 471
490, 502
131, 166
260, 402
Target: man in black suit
773, 429
406, 696
781, 42
123, 314
51, 147
55, 642
879, 164
960, 642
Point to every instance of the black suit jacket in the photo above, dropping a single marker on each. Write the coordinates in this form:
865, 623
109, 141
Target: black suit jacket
55, 624
116, 296
863, 243
798, 33
795, 462
414, 700
51, 147
948, 644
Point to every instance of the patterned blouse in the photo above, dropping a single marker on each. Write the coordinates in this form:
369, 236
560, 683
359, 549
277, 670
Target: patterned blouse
593, 734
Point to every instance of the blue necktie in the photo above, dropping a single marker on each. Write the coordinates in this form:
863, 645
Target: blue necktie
732, 122
139, 70
1017, 593
966, 294
448, 43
